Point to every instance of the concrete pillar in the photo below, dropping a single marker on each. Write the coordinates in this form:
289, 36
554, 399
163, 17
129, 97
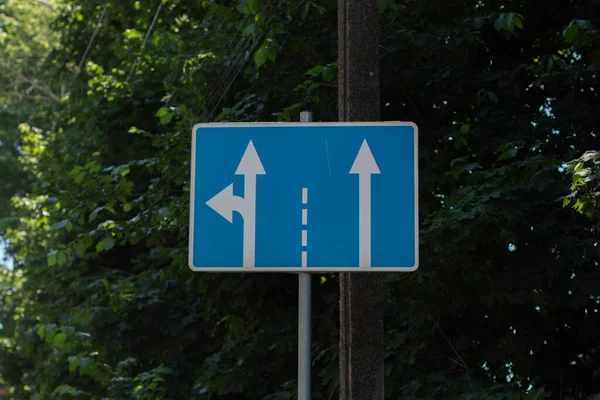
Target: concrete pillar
361, 298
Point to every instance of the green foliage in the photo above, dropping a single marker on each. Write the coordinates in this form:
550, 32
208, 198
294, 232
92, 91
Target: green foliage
101, 303
26, 44
509, 22
584, 187
578, 31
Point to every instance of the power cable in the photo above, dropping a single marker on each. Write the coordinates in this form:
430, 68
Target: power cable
89, 46
148, 33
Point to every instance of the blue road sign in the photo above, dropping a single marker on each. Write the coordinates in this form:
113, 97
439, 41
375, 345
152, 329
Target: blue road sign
304, 197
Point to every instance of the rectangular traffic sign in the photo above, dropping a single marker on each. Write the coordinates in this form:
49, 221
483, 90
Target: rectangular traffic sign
304, 197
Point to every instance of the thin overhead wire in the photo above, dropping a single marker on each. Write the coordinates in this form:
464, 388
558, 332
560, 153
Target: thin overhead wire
224, 92
228, 48
232, 61
224, 79
233, 66
148, 33
229, 65
89, 46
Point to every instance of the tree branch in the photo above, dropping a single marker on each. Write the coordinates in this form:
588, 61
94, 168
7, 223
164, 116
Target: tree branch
47, 5
462, 362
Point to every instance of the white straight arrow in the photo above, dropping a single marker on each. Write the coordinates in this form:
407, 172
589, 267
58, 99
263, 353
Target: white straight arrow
250, 166
225, 202
364, 166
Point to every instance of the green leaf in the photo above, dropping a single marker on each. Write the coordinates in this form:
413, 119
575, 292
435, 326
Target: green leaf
270, 51
570, 33
52, 258
64, 389
165, 114
61, 258
59, 340
507, 151
500, 22
249, 29
464, 129
50, 332
508, 22
253, 6
79, 177
75, 170
83, 317
94, 214
41, 331
82, 245
243, 7
265, 52
78, 174
314, 71
260, 57
384, 5
109, 244
84, 362
93, 167
105, 245
305, 10
518, 22
132, 34
74, 363
329, 74
576, 30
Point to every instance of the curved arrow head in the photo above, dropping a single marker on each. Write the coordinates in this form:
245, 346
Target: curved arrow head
364, 162
250, 163
223, 203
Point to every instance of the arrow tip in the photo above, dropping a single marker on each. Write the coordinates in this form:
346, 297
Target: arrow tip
365, 162
250, 163
221, 203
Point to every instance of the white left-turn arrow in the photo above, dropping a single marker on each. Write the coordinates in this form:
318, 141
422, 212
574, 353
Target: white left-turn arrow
225, 202
364, 166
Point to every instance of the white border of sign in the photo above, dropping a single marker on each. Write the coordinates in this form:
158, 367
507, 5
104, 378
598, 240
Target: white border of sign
300, 269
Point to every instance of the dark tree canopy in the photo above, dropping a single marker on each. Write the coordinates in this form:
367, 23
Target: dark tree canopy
97, 102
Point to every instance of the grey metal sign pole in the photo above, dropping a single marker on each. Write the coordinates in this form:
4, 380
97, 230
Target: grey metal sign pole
304, 319
361, 302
